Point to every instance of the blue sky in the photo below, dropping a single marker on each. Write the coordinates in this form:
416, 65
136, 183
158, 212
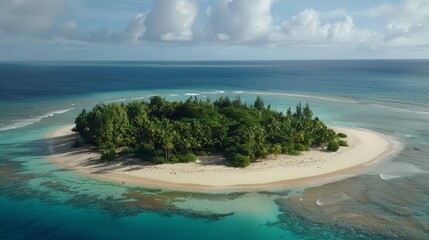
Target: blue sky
213, 29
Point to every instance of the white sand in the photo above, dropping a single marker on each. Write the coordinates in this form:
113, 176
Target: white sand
210, 173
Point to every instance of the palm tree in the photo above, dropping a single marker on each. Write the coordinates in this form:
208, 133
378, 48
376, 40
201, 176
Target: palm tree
277, 149
299, 137
151, 133
168, 146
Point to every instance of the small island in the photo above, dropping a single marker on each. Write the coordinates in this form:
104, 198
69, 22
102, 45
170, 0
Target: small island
204, 146
160, 131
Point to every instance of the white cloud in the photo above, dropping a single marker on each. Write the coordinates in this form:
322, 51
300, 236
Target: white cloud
169, 20
408, 25
229, 22
250, 21
29, 17
306, 28
136, 28
411, 27
37, 19
240, 20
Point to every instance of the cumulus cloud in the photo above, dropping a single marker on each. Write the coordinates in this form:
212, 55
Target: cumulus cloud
411, 28
230, 22
408, 23
169, 20
29, 17
307, 28
136, 28
251, 21
37, 19
240, 20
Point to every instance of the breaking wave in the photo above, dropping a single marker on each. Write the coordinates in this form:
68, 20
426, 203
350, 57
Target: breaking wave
117, 100
304, 96
333, 199
403, 110
137, 98
398, 170
28, 121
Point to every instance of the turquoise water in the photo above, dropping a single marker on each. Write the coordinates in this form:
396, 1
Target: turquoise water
41, 201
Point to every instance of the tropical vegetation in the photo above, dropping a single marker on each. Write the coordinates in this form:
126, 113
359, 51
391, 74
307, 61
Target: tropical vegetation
163, 131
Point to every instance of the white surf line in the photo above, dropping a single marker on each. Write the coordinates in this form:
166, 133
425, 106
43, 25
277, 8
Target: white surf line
137, 98
118, 100
301, 95
20, 123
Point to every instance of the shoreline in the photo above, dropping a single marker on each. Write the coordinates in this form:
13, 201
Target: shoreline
209, 174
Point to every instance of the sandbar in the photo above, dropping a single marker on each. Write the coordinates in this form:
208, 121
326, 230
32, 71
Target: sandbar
212, 173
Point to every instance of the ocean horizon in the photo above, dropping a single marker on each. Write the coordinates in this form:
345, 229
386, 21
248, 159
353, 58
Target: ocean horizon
42, 201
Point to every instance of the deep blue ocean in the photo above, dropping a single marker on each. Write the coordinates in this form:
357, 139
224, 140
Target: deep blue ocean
41, 201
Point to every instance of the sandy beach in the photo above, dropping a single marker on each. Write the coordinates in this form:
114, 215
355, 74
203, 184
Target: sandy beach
210, 174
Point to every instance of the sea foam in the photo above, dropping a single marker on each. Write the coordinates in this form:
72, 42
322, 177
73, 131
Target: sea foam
417, 113
398, 170
137, 98
333, 199
28, 121
117, 100
330, 99
388, 177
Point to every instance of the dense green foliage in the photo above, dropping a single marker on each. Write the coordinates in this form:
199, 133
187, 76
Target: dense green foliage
333, 146
162, 131
343, 143
239, 160
342, 135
